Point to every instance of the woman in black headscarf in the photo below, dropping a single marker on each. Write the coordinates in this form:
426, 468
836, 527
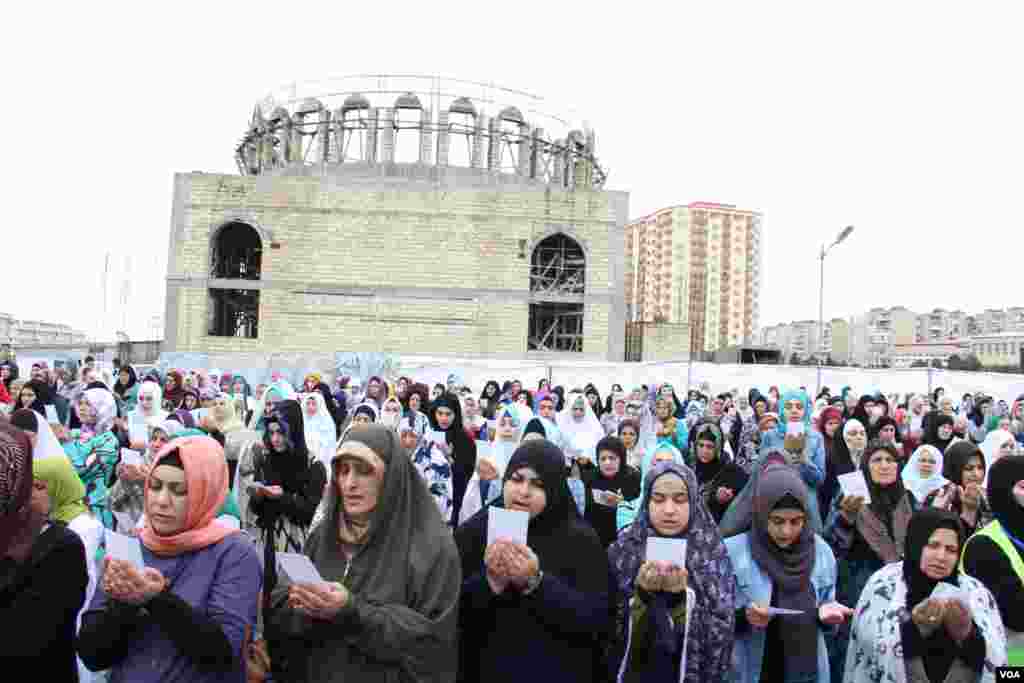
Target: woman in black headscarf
994, 554
389, 609
594, 399
865, 411
610, 482
963, 465
782, 563
720, 479
446, 416
939, 432
544, 605
284, 487
901, 632
867, 536
489, 399
34, 395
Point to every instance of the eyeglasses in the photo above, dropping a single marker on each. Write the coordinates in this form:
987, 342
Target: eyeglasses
884, 460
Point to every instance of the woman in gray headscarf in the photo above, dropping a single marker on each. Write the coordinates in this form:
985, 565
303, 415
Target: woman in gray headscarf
388, 609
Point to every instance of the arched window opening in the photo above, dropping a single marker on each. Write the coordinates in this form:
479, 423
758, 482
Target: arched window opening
461, 132
557, 283
408, 121
510, 128
234, 313
354, 115
236, 253
558, 267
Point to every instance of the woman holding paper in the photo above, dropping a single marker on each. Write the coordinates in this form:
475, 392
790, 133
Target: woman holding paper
432, 465
661, 452
920, 620
387, 607
674, 622
963, 469
149, 409
321, 435
185, 615
485, 484
719, 477
545, 603
867, 534
94, 450
446, 416
803, 446
785, 587
612, 483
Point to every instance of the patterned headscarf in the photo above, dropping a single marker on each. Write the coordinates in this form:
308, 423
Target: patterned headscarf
102, 403
15, 482
712, 621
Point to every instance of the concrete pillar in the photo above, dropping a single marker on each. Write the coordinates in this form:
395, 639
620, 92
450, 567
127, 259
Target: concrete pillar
525, 147
479, 141
387, 139
372, 123
443, 142
426, 135
558, 163
493, 145
536, 139
323, 135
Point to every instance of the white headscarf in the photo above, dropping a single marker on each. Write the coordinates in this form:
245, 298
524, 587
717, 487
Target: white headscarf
47, 445
991, 445
852, 422
912, 479
157, 413
321, 435
584, 434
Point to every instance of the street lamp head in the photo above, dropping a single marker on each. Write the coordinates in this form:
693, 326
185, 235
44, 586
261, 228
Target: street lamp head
844, 234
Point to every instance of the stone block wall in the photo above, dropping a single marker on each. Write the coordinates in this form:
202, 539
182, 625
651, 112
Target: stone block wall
390, 264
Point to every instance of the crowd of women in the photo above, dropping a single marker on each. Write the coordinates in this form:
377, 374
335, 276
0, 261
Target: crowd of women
852, 538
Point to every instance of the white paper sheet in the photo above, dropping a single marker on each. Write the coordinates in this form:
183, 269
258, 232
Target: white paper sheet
854, 484
780, 612
947, 591
671, 550
795, 428
51, 414
299, 568
437, 437
124, 520
509, 525
137, 432
604, 498
130, 457
483, 449
199, 413
127, 548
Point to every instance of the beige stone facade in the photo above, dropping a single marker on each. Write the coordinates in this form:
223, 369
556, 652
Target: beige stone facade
393, 259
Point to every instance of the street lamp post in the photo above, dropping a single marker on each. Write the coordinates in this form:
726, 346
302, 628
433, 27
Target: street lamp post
821, 297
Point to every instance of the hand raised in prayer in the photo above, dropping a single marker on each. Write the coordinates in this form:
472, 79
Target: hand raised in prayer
928, 615
132, 472
724, 495
321, 601
834, 613
757, 616
649, 578
496, 564
794, 443
957, 620
523, 564
123, 582
970, 496
273, 491
675, 578
943, 498
850, 506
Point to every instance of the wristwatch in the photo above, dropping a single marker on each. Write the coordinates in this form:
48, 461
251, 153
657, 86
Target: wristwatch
533, 582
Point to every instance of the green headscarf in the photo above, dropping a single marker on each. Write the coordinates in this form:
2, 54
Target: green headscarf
62, 483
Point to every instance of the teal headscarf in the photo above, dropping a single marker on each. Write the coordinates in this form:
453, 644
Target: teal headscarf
794, 395
628, 509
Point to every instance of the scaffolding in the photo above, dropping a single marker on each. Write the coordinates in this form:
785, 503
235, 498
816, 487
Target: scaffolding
557, 285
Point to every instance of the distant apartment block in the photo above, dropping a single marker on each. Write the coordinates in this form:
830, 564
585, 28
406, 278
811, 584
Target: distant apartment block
698, 269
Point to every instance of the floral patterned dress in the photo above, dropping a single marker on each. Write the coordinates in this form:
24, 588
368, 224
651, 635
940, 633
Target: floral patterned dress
94, 457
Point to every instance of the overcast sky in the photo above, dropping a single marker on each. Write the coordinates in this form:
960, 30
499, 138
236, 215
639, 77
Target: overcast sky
902, 118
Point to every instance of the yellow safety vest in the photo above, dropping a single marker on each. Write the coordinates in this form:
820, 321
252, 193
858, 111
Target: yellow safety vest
994, 531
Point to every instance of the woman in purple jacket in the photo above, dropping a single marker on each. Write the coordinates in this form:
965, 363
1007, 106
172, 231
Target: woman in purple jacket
186, 616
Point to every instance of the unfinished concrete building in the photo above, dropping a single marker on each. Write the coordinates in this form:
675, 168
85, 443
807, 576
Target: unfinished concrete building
403, 214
